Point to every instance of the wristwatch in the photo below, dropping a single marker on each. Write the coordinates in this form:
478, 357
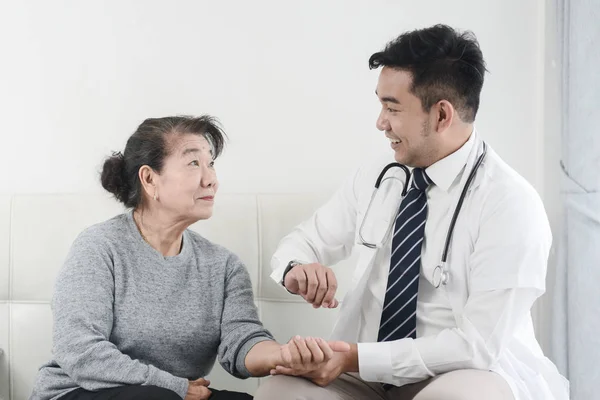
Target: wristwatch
289, 267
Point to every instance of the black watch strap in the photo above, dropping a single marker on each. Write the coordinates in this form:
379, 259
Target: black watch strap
289, 267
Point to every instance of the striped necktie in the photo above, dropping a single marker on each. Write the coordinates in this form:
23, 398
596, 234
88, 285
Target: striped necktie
399, 316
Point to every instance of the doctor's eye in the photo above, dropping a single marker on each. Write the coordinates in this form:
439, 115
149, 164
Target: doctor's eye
391, 110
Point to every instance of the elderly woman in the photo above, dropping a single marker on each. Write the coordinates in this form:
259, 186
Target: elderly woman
143, 306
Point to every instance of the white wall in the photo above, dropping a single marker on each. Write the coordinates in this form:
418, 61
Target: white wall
289, 81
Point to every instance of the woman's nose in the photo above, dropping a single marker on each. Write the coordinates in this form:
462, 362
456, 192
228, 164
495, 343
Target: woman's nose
209, 178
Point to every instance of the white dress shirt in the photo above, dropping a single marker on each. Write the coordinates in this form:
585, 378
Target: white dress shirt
434, 312
497, 265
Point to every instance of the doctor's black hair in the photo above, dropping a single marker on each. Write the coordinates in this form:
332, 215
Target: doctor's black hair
445, 65
149, 145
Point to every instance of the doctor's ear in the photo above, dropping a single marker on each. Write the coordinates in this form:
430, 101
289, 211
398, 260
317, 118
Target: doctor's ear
445, 115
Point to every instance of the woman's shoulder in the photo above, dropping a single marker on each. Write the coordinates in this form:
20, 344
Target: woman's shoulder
96, 246
209, 249
104, 233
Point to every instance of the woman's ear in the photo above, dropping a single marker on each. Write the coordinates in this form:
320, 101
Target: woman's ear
147, 178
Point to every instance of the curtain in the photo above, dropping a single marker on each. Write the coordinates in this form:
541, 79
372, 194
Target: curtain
576, 301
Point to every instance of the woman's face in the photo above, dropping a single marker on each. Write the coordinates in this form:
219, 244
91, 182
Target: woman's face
187, 184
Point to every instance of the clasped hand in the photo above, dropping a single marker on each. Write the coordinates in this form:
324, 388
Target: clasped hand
314, 358
198, 390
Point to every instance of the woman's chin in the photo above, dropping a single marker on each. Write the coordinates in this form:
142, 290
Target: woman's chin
204, 212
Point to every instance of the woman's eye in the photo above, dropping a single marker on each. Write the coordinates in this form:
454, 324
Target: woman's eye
195, 163
212, 164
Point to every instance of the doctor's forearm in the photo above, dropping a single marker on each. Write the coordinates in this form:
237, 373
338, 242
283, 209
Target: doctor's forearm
488, 321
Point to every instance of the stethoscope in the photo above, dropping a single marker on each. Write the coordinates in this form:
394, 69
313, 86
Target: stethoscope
440, 272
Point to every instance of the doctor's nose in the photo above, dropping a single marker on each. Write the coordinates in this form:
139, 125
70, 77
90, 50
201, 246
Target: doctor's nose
382, 123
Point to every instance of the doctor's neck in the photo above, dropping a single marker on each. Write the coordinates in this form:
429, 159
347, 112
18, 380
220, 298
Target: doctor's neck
448, 142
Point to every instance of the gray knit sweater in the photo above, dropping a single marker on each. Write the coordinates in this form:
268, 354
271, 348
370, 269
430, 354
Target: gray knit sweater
126, 315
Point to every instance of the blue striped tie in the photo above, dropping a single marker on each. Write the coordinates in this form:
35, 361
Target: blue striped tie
399, 316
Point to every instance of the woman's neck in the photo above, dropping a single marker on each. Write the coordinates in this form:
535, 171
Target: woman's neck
164, 234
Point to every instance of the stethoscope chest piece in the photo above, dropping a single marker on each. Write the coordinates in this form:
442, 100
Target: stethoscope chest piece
440, 276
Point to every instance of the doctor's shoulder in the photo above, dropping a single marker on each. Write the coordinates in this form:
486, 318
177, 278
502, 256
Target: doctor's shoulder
502, 190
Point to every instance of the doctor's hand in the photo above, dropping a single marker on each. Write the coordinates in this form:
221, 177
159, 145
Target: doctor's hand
327, 372
302, 356
316, 284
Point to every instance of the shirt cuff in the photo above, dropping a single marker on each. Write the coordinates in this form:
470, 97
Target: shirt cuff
240, 363
277, 276
375, 362
165, 380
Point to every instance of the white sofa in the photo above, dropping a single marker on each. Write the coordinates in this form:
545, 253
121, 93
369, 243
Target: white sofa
36, 232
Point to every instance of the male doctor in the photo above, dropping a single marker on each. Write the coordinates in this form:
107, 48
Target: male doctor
459, 332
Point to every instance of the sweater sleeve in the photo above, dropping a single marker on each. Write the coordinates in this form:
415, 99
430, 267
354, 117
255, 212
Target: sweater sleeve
83, 318
240, 327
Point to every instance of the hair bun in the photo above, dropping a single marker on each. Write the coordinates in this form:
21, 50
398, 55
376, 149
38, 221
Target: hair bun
113, 177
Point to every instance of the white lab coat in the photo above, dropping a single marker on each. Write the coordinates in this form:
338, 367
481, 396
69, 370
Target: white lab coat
332, 234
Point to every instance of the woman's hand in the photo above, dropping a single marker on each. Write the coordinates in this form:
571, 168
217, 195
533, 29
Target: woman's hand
198, 390
300, 356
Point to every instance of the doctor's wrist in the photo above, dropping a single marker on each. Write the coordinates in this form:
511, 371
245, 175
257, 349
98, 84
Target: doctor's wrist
288, 268
351, 359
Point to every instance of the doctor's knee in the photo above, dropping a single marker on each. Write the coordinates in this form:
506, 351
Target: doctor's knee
283, 387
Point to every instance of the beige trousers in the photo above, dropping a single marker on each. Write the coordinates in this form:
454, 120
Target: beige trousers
455, 385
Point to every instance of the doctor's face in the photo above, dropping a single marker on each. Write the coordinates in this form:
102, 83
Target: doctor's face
403, 119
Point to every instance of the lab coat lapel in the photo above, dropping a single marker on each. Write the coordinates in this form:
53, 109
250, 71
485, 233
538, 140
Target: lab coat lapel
380, 218
457, 287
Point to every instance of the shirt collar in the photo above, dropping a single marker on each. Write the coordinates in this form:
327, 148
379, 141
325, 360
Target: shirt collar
444, 172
